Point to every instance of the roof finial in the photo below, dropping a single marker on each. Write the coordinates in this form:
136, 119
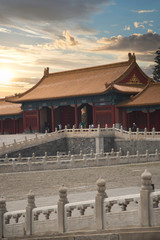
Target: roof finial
131, 57
46, 71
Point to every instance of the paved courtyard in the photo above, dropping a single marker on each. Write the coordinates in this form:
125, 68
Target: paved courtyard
81, 183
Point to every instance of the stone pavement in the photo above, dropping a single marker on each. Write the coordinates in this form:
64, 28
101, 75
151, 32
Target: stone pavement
80, 183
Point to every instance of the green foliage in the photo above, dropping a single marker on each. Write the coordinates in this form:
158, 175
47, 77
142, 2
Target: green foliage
156, 70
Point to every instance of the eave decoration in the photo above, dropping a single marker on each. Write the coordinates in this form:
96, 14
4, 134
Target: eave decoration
134, 80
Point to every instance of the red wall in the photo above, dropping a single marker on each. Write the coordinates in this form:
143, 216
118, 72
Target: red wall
105, 115
30, 119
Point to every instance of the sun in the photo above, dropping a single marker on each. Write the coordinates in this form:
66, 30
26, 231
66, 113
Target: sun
5, 76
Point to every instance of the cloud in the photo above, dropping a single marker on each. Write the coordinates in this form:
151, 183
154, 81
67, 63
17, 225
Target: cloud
48, 10
142, 24
5, 30
140, 43
146, 11
67, 42
148, 69
127, 28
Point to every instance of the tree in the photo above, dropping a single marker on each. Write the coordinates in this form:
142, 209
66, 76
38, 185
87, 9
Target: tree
156, 70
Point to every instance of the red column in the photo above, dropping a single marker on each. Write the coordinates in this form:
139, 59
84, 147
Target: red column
53, 121
38, 120
14, 126
2, 129
94, 115
76, 115
148, 121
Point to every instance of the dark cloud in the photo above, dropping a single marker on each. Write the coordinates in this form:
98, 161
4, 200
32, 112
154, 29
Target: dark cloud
47, 10
148, 70
136, 43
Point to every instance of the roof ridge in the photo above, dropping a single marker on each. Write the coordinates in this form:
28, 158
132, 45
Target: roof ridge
92, 68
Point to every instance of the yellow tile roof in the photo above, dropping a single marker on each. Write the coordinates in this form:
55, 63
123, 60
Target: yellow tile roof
80, 82
8, 108
149, 96
128, 89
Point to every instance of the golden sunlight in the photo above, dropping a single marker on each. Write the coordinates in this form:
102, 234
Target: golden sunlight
5, 76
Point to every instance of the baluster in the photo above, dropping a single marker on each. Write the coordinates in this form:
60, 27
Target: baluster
123, 204
108, 207
6, 160
19, 157
3, 210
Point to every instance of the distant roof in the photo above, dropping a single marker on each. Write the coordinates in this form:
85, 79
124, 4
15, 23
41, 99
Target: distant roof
149, 96
8, 108
86, 81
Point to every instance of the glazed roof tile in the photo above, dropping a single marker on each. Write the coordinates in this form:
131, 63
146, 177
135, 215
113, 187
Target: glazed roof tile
150, 95
8, 108
80, 82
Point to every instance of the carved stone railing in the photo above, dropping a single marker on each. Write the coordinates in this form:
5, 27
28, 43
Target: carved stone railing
74, 161
136, 210
78, 133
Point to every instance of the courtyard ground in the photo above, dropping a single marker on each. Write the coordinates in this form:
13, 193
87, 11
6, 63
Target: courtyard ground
81, 183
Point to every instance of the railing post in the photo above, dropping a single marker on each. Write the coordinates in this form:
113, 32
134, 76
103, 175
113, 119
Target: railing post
45, 158
120, 151
128, 156
84, 160
137, 133
130, 133
81, 154
153, 132
33, 157
99, 206
91, 153
6, 160
19, 157
121, 130
29, 164
28, 216
156, 155
2, 212
13, 165
61, 209
145, 133
146, 205
72, 161
112, 152
58, 160
69, 154
137, 155
3, 146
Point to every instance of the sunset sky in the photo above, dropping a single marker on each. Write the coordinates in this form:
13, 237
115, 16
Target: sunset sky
70, 34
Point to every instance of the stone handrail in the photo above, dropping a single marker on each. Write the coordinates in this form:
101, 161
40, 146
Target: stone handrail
82, 132
136, 210
74, 161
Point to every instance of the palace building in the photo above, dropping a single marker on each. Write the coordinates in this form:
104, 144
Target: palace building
119, 93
